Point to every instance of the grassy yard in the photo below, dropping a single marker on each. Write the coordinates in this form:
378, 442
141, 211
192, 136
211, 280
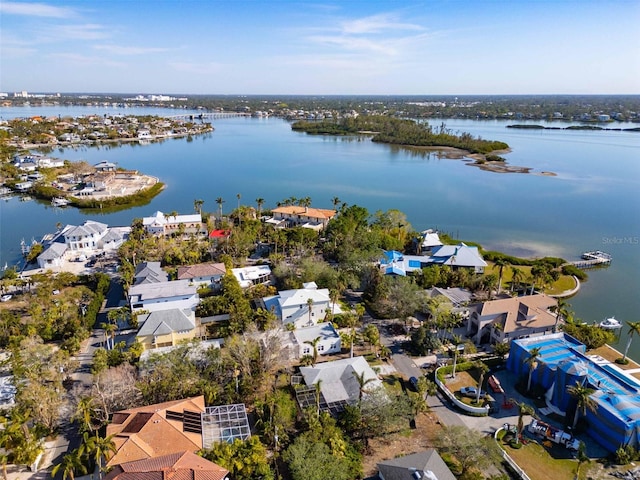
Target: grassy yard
538, 464
564, 283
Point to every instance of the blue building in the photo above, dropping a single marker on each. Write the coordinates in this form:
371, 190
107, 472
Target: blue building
563, 362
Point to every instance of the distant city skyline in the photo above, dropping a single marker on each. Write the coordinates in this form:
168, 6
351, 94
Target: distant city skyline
433, 47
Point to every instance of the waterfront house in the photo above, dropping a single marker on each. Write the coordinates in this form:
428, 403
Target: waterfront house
181, 465
292, 306
502, 320
52, 256
208, 274
105, 166
458, 256
297, 216
426, 465
153, 297
166, 328
430, 240
156, 430
563, 362
161, 224
254, 275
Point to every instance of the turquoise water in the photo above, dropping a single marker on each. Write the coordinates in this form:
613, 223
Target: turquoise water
591, 203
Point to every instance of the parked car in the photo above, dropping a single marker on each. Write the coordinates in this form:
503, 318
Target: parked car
471, 392
6, 298
414, 383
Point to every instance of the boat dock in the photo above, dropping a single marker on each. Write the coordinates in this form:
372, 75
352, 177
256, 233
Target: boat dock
593, 259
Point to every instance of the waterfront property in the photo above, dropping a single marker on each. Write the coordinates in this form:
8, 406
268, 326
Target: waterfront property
454, 256
298, 216
502, 320
562, 362
161, 224
86, 240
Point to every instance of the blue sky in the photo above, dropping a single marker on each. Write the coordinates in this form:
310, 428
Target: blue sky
315, 47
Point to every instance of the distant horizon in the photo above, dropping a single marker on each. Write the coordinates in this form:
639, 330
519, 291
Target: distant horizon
288, 47
54, 93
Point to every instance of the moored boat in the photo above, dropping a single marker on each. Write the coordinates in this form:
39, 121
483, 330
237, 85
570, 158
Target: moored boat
610, 324
59, 202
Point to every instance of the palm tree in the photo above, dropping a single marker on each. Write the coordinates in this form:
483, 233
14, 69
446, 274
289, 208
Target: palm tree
516, 277
314, 344
259, 203
532, 363
310, 307
85, 414
582, 394
500, 263
482, 370
335, 201
197, 205
109, 332
98, 448
362, 383
523, 409
70, 463
219, 201
238, 196
634, 328
318, 387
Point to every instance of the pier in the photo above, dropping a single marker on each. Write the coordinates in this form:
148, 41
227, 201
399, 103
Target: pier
208, 115
592, 260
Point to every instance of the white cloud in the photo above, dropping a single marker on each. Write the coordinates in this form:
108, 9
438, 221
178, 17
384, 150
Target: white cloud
130, 50
35, 10
87, 31
354, 44
377, 24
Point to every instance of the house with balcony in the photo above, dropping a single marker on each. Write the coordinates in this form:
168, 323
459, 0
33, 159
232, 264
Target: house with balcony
301, 307
253, 275
297, 216
161, 224
502, 320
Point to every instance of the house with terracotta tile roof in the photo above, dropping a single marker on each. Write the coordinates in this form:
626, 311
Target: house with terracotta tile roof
511, 318
177, 466
298, 216
156, 430
209, 274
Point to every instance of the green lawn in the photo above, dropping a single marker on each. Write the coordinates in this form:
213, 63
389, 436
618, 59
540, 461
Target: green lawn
564, 283
538, 464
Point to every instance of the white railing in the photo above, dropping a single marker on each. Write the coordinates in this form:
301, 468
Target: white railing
461, 405
509, 460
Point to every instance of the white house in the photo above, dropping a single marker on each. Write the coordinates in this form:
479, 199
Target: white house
84, 238
302, 307
254, 275
460, 255
52, 256
161, 224
329, 340
155, 297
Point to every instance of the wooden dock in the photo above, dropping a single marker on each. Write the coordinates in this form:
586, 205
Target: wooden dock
592, 260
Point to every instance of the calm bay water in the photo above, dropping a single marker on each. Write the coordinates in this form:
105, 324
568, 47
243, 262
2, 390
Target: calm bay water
592, 202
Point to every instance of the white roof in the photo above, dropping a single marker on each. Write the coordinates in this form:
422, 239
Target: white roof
338, 380
160, 218
88, 228
323, 330
246, 275
460, 255
430, 239
150, 291
301, 295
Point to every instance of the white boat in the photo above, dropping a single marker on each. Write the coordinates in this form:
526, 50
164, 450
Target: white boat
610, 324
59, 202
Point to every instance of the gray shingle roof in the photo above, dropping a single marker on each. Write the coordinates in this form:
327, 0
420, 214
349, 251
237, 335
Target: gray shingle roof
165, 322
425, 462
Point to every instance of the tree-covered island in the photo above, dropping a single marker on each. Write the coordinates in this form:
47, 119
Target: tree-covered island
400, 132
